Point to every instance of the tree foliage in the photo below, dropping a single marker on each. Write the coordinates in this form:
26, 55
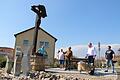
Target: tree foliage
2, 61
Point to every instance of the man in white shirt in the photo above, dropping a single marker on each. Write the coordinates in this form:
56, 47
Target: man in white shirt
91, 54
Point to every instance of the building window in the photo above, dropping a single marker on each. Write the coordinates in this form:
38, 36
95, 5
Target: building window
46, 44
25, 42
43, 43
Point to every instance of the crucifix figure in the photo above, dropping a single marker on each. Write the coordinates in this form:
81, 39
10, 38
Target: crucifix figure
41, 13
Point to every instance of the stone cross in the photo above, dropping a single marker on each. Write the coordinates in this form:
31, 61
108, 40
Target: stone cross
26, 61
41, 13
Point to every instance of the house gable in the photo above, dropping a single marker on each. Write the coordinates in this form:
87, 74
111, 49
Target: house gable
39, 29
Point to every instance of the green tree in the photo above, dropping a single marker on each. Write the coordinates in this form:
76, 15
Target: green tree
2, 61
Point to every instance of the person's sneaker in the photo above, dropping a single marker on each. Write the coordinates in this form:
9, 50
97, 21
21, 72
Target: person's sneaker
66, 69
106, 70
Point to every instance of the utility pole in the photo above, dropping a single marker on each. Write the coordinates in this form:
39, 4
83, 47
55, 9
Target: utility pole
99, 52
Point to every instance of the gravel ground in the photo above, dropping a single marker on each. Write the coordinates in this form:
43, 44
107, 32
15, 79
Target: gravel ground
65, 75
118, 73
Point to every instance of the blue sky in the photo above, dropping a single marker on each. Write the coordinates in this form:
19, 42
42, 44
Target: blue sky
72, 22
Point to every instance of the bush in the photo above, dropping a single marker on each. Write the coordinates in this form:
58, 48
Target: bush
2, 61
56, 64
118, 62
98, 63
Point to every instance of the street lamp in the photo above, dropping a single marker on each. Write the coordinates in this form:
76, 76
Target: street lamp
41, 13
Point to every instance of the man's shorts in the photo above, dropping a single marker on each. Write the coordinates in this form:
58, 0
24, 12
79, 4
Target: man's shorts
61, 61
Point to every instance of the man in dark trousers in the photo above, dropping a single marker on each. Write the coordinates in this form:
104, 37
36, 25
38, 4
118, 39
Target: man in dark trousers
109, 55
91, 54
68, 56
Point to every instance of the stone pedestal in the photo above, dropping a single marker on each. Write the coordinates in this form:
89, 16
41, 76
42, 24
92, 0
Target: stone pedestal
38, 63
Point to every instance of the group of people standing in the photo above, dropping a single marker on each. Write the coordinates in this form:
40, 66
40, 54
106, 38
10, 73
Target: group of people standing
109, 56
65, 57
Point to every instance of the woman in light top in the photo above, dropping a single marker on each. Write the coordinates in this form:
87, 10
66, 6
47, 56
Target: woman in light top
61, 58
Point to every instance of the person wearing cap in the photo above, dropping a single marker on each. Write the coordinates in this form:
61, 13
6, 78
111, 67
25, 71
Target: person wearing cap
109, 55
91, 54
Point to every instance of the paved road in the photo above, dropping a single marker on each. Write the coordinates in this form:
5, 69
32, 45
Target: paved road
99, 74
